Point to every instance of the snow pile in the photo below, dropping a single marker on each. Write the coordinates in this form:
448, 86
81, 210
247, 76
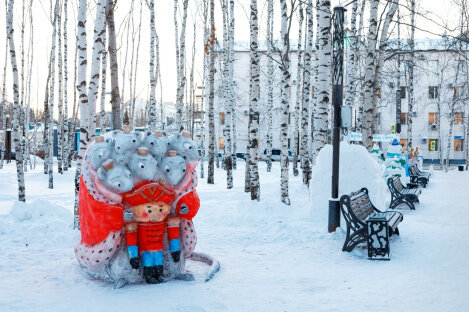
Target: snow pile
40, 209
357, 169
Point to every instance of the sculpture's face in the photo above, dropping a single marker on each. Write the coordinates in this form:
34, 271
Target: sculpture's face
157, 146
184, 147
98, 153
174, 169
119, 178
154, 212
125, 142
143, 167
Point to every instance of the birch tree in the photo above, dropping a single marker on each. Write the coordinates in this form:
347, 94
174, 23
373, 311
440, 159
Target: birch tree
285, 100
270, 86
324, 79
232, 98
367, 134
28, 99
16, 103
67, 129
349, 95
60, 125
153, 39
211, 117
305, 165
102, 102
116, 123
299, 98
228, 159
4, 121
410, 103
180, 60
253, 105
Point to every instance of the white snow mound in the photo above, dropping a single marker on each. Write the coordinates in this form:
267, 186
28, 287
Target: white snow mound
39, 211
357, 169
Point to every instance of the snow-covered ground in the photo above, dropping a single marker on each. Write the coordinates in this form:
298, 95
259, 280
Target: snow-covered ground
273, 257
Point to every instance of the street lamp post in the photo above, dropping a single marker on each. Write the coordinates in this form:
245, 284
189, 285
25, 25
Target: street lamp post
337, 100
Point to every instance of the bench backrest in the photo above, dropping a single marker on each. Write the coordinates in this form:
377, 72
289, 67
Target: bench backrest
396, 182
356, 207
413, 170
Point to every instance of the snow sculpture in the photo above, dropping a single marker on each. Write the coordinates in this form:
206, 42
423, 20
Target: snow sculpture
395, 162
137, 202
377, 153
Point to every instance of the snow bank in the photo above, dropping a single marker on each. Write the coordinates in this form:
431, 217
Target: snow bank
40, 211
357, 169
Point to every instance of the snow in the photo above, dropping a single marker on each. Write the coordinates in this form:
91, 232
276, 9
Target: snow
273, 257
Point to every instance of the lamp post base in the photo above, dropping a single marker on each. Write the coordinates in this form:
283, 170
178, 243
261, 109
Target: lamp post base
334, 215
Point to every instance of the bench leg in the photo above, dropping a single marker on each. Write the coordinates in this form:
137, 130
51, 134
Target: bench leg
378, 240
352, 240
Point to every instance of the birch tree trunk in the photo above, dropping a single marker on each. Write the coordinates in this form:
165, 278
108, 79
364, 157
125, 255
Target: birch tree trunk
181, 79
367, 134
152, 104
305, 165
231, 80
299, 98
28, 99
350, 94
67, 129
383, 44
116, 121
204, 84
60, 125
22, 90
358, 73
285, 99
211, 117
16, 100
270, 86
324, 79
4, 110
102, 111
411, 75
228, 159
254, 106
83, 100
50, 147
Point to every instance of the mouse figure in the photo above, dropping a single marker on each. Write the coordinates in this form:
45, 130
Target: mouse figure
143, 165
184, 146
98, 152
118, 178
173, 168
157, 144
125, 144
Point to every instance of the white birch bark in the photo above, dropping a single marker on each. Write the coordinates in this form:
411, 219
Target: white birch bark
16, 103
350, 91
324, 79
205, 78
305, 165
299, 85
22, 90
232, 99
153, 39
67, 129
270, 86
285, 100
254, 105
383, 44
369, 75
211, 117
50, 147
83, 100
181, 78
116, 120
28, 98
410, 103
60, 125
358, 71
102, 102
4, 110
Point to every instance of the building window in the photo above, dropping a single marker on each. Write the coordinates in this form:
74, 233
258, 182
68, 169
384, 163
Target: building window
403, 143
432, 118
403, 92
433, 145
404, 117
458, 145
458, 118
221, 143
432, 92
433, 66
222, 118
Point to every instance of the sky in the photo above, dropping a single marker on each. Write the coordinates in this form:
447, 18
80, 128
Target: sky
433, 15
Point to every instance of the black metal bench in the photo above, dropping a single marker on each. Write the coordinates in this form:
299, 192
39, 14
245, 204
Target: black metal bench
358, 210
401, 194
417, 176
